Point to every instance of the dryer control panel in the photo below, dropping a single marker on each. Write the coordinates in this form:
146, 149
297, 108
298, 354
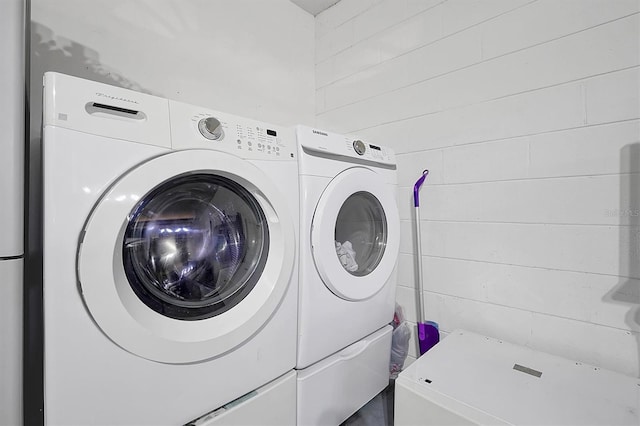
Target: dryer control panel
193, 127
333, 144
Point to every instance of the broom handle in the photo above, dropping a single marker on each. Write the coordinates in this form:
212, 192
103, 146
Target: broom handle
416, 203
419, 277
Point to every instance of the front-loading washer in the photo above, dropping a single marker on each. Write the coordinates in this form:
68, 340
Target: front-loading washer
349, 244
170, 260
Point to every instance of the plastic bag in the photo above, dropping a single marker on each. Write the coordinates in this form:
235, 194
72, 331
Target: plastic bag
399, 342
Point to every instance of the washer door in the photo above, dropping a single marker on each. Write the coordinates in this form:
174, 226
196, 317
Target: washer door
355, 234
186, 256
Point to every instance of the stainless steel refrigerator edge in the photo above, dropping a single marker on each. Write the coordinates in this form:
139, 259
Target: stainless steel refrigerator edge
12, 114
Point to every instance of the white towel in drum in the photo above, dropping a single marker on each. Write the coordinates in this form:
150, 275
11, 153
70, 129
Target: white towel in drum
347, 256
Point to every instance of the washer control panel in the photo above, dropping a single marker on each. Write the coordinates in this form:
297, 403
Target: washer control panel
192, 127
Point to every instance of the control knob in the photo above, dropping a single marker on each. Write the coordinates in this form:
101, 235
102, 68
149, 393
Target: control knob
359, 147
211, 128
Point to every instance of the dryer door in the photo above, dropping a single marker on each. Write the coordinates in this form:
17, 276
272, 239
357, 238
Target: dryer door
355, 234
186, 256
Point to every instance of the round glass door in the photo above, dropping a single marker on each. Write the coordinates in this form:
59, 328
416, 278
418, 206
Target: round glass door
186, 256
195, 246
360, 234
355, 234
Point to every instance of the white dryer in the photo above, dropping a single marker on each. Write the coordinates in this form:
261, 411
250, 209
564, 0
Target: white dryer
170, 260
349, 245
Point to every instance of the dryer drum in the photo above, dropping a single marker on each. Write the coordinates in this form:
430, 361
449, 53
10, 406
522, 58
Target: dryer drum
195, 246
362, 222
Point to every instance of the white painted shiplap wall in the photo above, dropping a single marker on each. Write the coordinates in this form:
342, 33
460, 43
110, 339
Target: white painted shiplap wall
527, 114
230, 55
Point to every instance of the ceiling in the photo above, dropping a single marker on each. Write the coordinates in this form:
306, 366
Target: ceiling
315, 6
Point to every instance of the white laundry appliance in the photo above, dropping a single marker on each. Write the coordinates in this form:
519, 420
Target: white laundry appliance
349, 245
470, 379
12, 141
170, 260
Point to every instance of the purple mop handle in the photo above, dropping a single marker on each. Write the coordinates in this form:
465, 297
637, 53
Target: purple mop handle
416, 188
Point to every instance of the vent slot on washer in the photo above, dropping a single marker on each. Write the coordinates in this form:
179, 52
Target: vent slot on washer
527, 370
106, 110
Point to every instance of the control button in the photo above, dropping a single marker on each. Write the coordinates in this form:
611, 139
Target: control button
211, 128
249, 143
239, 141
359, 147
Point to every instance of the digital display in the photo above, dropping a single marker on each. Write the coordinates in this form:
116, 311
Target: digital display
271, 132
377, 148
